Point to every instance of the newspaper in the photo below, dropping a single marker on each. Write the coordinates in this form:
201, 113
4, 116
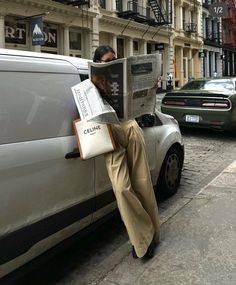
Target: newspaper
126, 87
143, 72
90, 104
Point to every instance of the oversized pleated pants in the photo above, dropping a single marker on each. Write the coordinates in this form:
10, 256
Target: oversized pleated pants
129, 173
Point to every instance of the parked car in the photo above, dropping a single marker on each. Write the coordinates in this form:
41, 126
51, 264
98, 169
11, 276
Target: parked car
203, 103
47, 193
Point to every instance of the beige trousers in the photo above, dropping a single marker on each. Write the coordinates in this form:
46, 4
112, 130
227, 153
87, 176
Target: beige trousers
129, 173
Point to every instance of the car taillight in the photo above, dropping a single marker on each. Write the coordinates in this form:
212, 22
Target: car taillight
174, 102
223, 104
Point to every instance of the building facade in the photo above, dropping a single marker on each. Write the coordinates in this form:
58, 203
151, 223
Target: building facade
187, 40
212, 42
177, 29
229, 39
66, 29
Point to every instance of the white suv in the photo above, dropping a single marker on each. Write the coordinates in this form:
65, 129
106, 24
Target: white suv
47, 193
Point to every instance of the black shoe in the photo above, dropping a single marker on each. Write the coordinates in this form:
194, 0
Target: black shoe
150, 251
134, 253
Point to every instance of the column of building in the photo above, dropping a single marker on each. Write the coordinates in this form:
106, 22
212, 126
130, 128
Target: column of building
66, 40
2, 31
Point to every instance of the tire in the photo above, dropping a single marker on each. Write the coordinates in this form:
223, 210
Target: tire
170, 174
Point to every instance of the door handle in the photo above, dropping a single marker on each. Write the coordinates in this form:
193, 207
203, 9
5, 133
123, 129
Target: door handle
73, 154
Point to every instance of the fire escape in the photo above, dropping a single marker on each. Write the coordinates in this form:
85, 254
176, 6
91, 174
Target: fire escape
161, 12
191, 26
74, 2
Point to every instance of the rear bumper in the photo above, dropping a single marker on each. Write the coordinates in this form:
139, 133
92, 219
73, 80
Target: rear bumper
218, 119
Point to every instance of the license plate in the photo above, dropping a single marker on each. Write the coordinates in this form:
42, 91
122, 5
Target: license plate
192, 118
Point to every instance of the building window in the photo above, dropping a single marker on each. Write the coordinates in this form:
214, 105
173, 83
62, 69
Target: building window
50, 35
175, 22
206, 27
149, 48
191, 17
136, 46
210, 64
216, 69
203, 26
102, 4
15, 32
183, 19
120, 48
75, 40
119, 5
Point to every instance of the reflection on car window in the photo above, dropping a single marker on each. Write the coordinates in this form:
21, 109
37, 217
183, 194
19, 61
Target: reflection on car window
210, 85
194, 85
219, 85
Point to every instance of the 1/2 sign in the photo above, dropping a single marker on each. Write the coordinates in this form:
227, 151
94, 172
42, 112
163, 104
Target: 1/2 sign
218, 9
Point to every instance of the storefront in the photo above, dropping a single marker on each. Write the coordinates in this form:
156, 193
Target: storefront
66, 30
18, 36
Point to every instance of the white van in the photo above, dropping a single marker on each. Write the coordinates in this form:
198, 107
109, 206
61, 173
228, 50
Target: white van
47, 193
36, 181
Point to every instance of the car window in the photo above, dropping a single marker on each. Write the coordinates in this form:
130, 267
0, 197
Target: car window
148, 120
194, 85
32, 100
219, 85
210, 85
83, 77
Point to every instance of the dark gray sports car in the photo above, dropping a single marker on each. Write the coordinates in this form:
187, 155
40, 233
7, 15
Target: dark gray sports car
208, 103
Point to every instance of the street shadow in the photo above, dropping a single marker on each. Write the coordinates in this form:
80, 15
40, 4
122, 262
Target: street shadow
208, 133
56, 267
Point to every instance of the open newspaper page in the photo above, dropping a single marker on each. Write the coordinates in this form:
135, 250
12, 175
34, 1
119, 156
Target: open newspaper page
90, 104
142, 74
128, 84
111, 80
118, 90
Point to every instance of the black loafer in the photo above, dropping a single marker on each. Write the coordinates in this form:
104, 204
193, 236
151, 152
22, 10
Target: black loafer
150, 251
134, 253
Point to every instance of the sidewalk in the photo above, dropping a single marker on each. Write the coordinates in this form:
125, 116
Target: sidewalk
198, 243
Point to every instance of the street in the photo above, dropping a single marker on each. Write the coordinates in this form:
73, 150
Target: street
90, 260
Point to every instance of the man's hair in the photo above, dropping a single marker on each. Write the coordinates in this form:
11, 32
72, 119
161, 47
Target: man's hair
100, 51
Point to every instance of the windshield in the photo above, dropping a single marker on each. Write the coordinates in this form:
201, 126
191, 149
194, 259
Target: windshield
210, 85
219, 85
194, 85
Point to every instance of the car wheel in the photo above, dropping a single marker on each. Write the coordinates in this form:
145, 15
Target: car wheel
170, 174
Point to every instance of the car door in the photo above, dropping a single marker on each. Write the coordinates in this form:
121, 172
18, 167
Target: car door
44, 197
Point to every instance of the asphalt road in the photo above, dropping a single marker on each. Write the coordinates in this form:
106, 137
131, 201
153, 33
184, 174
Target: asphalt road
207, 153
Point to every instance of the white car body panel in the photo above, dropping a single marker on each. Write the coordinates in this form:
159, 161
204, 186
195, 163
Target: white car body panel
48, 182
